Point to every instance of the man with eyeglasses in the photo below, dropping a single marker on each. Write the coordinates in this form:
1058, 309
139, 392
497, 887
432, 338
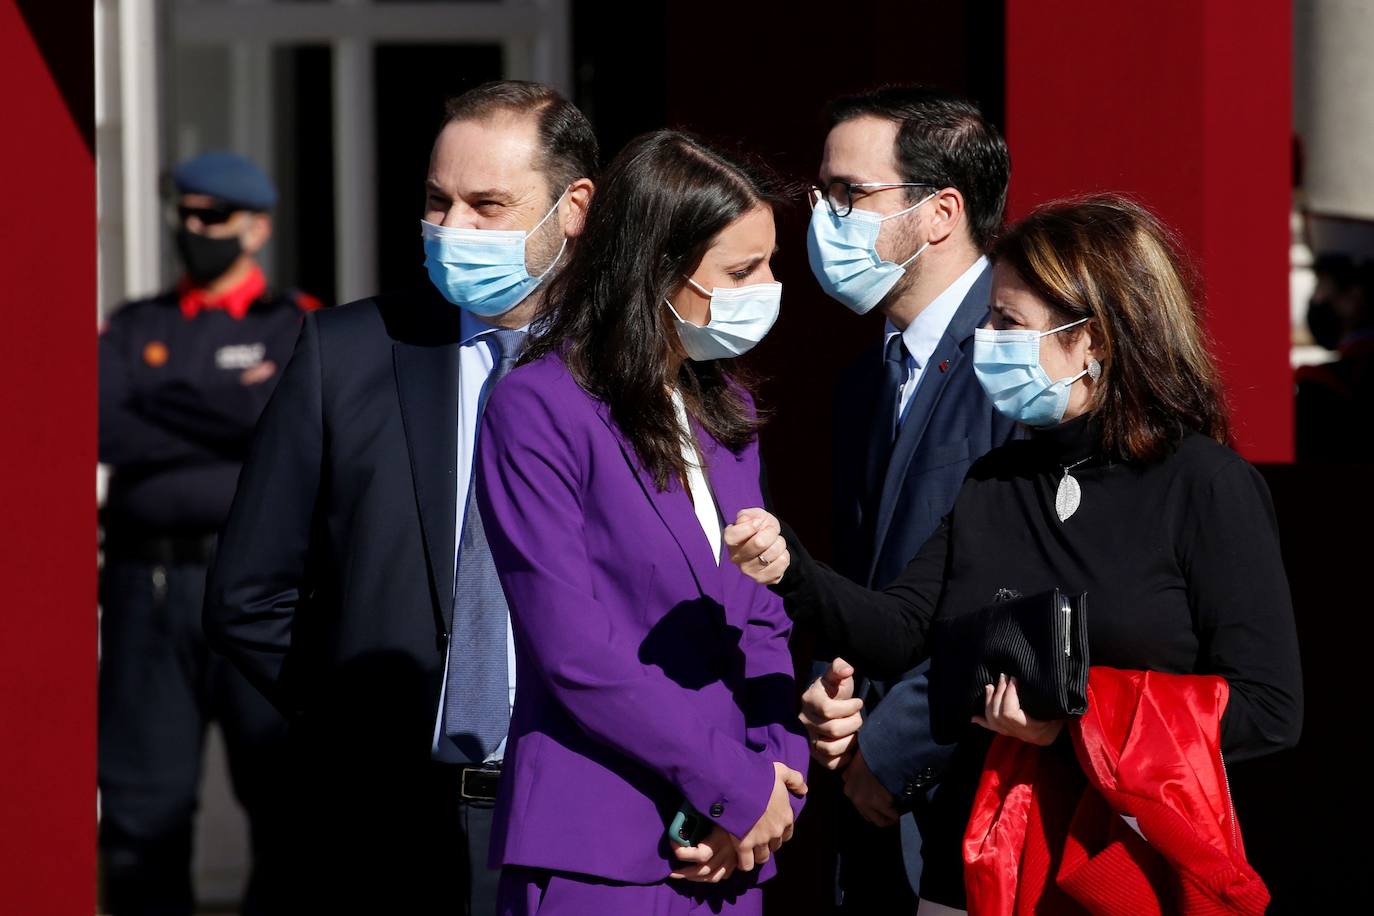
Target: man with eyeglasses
911, 191
183, 378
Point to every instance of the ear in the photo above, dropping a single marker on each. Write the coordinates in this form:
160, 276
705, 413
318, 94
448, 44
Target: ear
946, 214
258, 232
575, 204
1097, 341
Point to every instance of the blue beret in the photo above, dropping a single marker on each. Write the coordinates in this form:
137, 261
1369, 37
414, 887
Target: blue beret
227, 177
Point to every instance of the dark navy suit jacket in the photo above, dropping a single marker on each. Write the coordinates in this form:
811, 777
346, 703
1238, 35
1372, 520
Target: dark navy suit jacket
949, 424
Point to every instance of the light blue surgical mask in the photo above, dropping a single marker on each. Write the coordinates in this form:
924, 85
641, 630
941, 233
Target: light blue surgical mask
482, 270
740, 317
1007, 364
844, 255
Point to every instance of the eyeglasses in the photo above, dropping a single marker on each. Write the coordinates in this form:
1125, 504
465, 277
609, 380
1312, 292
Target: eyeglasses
839, 195
208, 216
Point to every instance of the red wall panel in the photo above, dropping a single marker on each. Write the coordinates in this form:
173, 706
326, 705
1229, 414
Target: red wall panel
47, 464
1185, 105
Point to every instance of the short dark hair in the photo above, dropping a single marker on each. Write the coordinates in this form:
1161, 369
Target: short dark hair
665, 198
568, 143
943, 141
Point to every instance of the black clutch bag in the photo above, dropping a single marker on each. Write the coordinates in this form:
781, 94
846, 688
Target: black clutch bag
1041, 640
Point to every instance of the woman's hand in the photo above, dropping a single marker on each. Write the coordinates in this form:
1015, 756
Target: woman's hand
775, 826
1002, 713
710, 861
757, 546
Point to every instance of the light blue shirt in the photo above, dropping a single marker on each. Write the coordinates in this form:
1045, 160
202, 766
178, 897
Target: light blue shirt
476, 359
923, 335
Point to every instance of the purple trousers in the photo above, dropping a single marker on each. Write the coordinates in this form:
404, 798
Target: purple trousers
530, 891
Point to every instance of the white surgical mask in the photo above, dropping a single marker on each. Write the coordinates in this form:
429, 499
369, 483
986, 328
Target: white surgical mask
844, 255
740, 317
483, 270
1007, 365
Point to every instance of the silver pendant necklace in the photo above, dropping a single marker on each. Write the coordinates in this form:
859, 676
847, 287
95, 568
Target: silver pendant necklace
1069, 495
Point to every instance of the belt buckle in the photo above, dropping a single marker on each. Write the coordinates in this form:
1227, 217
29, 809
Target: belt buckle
476, 795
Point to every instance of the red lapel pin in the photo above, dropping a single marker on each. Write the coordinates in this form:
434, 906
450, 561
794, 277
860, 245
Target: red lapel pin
944, 366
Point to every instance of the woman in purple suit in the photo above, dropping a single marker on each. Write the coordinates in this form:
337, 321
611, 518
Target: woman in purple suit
651, 676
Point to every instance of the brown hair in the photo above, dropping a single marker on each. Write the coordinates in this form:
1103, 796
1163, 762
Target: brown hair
1107, 258
568, 144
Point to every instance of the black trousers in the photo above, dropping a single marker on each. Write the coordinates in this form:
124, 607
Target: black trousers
868, 864
388, 838
160, 686
872, 872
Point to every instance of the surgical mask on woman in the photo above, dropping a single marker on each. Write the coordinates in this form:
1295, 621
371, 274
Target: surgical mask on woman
844, 255
482, 270
1007, 364
740, 317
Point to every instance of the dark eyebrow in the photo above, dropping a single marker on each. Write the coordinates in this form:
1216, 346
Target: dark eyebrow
753, 262
500, 195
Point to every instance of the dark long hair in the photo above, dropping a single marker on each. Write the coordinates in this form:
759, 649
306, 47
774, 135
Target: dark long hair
1106, 257
662, 201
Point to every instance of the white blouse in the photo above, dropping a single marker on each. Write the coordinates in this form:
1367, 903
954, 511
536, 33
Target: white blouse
702, 500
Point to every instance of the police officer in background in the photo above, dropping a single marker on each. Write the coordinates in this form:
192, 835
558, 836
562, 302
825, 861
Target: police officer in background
183, 378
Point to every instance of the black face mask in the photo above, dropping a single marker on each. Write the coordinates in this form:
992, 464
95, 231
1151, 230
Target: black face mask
206, 259
1324, 324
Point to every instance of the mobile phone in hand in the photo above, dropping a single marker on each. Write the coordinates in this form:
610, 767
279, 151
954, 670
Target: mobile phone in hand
688, 827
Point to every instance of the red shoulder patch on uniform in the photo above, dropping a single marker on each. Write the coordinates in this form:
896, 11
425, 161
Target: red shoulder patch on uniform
306, 302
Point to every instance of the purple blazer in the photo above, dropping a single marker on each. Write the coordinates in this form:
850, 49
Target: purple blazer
646, 672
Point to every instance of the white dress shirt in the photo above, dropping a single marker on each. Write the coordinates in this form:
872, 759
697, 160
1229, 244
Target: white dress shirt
923, 335
476, 358
703, 501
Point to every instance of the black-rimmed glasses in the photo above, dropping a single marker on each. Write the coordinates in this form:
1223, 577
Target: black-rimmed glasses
839, 195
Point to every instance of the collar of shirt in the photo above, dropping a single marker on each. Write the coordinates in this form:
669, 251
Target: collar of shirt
236, 300
471, 328
923, 335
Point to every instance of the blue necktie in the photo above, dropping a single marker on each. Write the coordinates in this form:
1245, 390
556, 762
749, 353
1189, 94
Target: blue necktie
477, 698
884, 429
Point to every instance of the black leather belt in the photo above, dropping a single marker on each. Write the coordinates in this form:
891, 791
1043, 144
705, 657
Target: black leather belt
478, 783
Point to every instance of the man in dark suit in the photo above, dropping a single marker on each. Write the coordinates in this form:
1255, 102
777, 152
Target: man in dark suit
912, 188
354, 585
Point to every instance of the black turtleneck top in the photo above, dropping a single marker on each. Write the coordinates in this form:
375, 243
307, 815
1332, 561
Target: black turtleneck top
1179, 558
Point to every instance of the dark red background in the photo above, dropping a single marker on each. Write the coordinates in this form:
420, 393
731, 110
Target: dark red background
47, 462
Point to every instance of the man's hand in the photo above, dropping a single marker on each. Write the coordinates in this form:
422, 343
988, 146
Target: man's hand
868, 796
757, 546
831, 715
258, 374
775, 826
710, 861
1002, 713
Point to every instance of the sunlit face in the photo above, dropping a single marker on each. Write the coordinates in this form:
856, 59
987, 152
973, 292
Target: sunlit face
862, 151
739, 255
483, 175
1016, 307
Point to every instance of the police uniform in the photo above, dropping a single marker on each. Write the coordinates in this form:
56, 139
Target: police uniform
177, 412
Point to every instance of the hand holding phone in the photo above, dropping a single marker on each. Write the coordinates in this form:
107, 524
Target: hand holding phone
688, 827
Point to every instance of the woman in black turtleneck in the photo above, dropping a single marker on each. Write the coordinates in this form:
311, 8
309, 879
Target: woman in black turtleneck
1173, 535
